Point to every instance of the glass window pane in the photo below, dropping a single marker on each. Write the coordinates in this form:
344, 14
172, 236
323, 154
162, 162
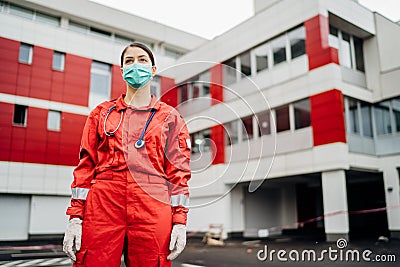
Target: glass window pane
366, 121
100, 33
358, 47
297, 39
333, 37
184, 92
282, 119
123, 39
345, 51
155, 87
204, 83
302, 113
58, 61
78, 27
229, 70
261, 53
247, 127
231, 136
264, 126
396, 112
45, 18
172, 53
21, 11
245, 66
278, 46
54, 120
382, 119
100, 83
25, 53
353, 115
20, 114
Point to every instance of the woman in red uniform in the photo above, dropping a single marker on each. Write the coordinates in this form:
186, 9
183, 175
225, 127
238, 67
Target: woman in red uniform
130, 192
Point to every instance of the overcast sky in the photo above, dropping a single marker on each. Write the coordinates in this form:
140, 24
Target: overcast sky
209, 18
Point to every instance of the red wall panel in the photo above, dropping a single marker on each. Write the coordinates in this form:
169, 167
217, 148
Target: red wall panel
217, 96
118, 85
6, 119
317, 46
76, 80
169, 91
9, 51
327, 117
41, 73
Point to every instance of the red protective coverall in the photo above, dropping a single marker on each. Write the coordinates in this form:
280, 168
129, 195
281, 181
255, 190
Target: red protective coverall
129, 197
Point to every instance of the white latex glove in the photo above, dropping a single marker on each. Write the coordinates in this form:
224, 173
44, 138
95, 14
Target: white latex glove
72, 238
178, 241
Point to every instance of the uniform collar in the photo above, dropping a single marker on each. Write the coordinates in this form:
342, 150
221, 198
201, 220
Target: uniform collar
121, 105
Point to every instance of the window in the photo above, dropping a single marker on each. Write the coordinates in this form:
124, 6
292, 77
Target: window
100, 33
264, 125
201, 141
229, 70
20, 114
396, 113
297, 38
302, 113
366, 121
359, 54
48, 19
345, 51
123, 39
261, 54
155, 87
184, 92
231, 136
278, 46
21, 11
100, 83
58, 61
382, 118
78, 27
350, 48
353, 115
282, 119
25, 53
247, 127
54, 120
245, 65
172, 53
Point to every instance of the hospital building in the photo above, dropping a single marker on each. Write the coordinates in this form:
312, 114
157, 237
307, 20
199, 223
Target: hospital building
294, 114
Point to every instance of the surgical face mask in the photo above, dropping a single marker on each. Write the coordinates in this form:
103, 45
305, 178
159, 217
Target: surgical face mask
137, 75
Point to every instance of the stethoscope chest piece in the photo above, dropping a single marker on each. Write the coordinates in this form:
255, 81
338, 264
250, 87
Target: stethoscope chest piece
139, 143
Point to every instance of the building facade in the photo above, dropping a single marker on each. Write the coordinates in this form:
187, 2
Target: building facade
294, 114
58, 62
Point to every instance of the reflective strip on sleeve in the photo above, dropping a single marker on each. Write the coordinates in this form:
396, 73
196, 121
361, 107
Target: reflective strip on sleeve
179, 200
79, 193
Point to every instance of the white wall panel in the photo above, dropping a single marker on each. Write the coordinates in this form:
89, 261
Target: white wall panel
14, 223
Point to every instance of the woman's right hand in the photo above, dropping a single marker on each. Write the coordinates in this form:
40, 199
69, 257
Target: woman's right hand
72, 238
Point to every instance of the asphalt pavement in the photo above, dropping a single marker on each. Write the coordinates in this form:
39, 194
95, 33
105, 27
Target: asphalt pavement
235, 253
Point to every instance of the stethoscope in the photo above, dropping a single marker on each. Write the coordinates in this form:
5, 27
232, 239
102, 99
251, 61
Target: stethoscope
140, 142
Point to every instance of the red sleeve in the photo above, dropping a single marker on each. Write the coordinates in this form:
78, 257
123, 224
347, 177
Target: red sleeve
177, 167
84, 172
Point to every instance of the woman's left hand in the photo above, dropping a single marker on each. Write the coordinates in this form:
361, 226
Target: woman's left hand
178, 241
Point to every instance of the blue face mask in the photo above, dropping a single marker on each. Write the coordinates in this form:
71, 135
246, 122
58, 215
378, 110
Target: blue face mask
137, 75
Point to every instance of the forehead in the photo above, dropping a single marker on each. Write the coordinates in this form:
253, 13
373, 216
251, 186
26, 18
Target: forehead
135, 52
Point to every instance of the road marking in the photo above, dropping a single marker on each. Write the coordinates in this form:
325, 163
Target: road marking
191, 265
36, 262
31, 263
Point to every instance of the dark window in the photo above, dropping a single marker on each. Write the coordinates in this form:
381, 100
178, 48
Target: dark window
20, 114
261, 54
264, 125
358, 51
184, 92
382, 118
245, 66
231, 132
297, 39
100, 32
201, 141
302, 113
366, 121
396, 112
229, 69
278, 46
353, 114
247, 123
282, 119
